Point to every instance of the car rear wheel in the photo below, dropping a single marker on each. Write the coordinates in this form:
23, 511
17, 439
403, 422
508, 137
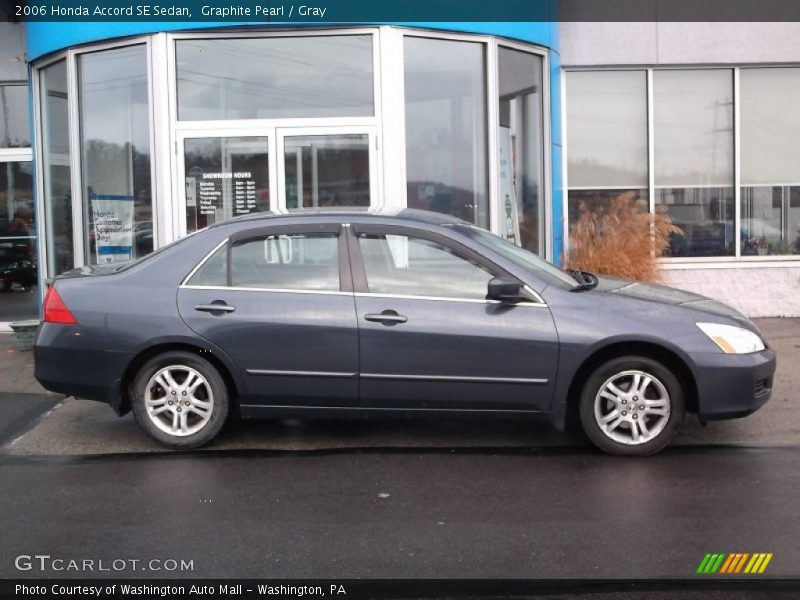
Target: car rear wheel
180, 400
632, 405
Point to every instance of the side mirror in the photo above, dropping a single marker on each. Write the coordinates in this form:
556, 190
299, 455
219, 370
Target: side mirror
505, 289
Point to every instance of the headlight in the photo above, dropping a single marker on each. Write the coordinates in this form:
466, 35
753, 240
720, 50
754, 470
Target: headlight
732, 340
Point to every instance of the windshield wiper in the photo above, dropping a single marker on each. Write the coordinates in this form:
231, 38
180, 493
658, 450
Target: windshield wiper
586, 280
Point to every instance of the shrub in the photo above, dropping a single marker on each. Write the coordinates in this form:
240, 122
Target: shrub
621, 239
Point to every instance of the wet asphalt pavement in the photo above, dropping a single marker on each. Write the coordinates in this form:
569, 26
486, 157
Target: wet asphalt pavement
398, 500
552, 513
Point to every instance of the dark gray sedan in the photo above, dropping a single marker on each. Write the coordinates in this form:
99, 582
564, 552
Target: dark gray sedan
415, 314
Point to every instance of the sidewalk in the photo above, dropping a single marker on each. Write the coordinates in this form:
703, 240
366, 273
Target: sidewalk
16, 368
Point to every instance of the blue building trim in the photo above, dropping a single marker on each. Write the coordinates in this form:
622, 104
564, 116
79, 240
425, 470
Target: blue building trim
47, 37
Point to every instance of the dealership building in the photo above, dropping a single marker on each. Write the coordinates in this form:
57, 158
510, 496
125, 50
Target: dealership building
118, 138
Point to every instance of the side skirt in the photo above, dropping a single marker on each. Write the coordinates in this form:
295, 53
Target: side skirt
261, 411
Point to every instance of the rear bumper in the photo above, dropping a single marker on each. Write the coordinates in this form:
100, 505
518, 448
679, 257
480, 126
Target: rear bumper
730, 386
66, 363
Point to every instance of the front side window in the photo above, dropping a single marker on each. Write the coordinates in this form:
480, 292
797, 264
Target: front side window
287, 262
411, 266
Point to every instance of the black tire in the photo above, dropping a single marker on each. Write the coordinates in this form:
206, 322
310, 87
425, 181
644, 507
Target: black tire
220, 404
669, 425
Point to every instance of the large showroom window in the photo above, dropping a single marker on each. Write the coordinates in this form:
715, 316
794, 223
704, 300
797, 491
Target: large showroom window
275, 77
696, 174
115, 154
18, 231
56, 167
18, 275
693, 118
770, 176
446, 166
606, 138
14, 121
521, 148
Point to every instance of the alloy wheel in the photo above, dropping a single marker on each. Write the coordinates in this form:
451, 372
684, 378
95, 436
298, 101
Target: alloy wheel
632, 407
179, 400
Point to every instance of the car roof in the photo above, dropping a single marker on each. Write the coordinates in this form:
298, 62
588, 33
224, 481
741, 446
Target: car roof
405, 214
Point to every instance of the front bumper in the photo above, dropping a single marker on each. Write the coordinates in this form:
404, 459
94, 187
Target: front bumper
730, 386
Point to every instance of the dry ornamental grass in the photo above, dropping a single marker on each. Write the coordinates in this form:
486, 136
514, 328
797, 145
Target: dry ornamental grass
622, 239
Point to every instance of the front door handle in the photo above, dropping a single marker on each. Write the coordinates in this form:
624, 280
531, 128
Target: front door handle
214, 307
387, 317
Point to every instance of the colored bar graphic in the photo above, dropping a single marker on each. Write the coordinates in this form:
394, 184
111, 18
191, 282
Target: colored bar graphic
728, 564
732, 560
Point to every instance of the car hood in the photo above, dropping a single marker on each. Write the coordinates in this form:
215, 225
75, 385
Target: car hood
663, 294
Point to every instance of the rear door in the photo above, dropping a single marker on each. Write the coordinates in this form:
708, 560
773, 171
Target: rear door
430, 339
279, 301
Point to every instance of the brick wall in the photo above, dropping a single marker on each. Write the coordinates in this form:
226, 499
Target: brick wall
762, 291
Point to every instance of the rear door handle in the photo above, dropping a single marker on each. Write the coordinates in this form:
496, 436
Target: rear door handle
215, 308
387, 316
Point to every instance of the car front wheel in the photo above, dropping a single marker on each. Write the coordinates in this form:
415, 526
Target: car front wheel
632, 406
180, 400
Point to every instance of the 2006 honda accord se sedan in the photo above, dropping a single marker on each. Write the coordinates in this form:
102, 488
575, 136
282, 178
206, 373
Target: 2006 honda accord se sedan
355, 313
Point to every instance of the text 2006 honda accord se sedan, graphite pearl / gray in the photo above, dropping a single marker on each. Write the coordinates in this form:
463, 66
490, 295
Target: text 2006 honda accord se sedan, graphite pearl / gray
343, 314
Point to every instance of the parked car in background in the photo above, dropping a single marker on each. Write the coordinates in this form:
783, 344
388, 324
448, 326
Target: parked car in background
414, 314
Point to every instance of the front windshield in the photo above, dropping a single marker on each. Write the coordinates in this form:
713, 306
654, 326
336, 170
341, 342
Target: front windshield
524, 258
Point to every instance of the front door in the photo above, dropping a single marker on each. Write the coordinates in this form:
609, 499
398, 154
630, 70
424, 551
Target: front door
283, 311
428, 338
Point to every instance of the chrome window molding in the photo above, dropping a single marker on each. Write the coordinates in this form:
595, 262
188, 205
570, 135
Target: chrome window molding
235, 288
206, 258
541, 304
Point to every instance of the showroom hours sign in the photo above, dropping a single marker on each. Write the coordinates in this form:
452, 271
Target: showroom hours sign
234, 190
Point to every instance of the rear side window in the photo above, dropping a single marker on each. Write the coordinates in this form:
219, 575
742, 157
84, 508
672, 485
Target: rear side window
213, 272
290, 261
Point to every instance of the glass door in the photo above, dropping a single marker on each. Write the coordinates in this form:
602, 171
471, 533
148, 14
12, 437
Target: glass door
225, 176
327, 167
19, 296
